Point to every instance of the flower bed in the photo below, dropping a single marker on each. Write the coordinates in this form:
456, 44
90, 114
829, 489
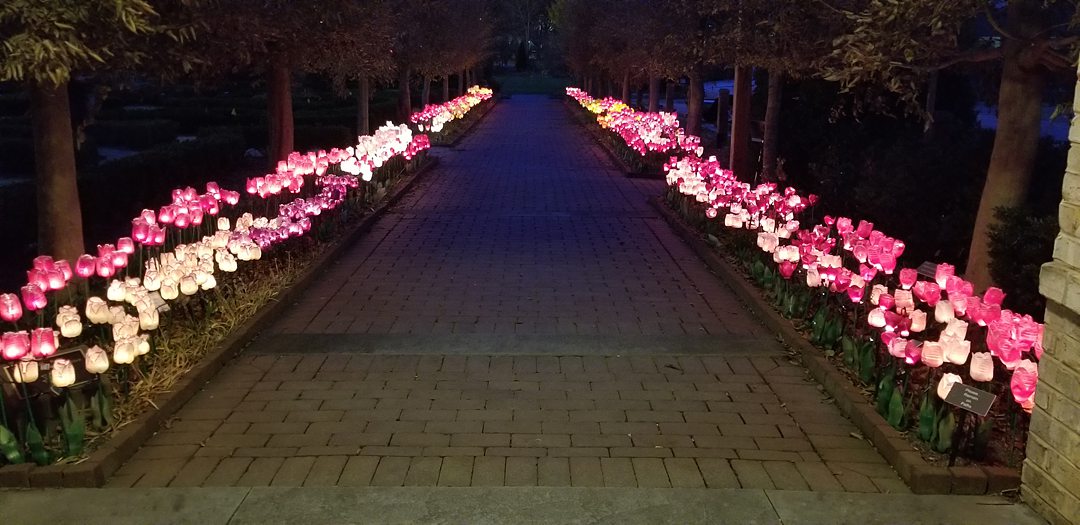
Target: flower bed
909, 338
445, 122
87, 344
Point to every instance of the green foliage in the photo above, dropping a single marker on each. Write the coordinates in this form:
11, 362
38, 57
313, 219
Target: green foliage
10, 447
45, 40
1020, 242
74, 425
945, 430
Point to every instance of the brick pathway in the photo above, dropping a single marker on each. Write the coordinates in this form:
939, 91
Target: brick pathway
522, 318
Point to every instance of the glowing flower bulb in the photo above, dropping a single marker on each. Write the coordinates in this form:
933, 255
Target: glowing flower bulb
71, 327
946, 384
982, 366
10, 307
942, 274
14, 345
169, 290
124, 352
148, 320
1024, 380
97, 361
943, 312
33, 297
116, 291
956, 351
876, 318
933, 355
188, 285
26, 371
62, 374
42, 342
142, 344
908, 277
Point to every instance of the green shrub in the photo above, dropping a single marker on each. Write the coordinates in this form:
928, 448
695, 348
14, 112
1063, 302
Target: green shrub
134, 134
305, 137
118, 189
17, 156
1020, 243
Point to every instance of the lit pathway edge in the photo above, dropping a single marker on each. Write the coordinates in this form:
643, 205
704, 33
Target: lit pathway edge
315, 505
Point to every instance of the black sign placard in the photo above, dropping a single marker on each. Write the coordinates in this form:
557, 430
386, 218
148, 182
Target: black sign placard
970, 399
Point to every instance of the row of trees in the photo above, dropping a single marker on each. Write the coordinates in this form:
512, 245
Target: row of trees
885, 53
47, 43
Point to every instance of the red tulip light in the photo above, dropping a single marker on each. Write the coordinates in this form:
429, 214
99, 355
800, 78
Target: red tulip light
14, 345
125, 245
908, 278
65, 269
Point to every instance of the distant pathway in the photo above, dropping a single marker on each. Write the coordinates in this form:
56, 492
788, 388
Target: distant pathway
522, 317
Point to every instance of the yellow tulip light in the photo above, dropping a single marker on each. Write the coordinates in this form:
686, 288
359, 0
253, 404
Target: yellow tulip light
142, 345
169, 290
26, 371
124, 352
148, 319
62, 374
188, 286
97, 361
97, 310
116, 291
223, 224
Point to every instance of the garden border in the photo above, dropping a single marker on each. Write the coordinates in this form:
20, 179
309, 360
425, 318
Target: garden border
597, 135
101, 463
490, 103
920, 476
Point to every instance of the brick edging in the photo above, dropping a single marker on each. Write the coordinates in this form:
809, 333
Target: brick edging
95, 470
920, 476
596, 135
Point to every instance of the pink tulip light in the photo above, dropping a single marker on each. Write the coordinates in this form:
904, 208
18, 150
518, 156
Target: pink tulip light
1023, 382
10, 307
33, 297
85, 266
42, 342
14, 345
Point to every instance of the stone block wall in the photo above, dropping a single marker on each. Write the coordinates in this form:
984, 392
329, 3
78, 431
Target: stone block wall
1051, 475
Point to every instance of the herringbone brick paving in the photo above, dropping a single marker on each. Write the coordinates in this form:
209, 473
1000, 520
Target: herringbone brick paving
524, 233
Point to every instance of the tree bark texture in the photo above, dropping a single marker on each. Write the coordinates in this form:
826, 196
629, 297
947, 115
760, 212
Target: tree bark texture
59, 215
279, 105
769, 151
654, 93
695, 100
723, 103
739, 159
669, 96
363, 104
626, 87
404, 95
1017, 138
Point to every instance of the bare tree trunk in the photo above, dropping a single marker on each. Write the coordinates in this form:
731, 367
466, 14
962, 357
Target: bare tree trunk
769, 152
446, 88
695, 99
931, 99
722, 103
404, 95
739, 159
626, 87
60, 231
279, 104
462, 82
363, 105
640, 92
425, 94
1017, 138
654, 93
669, 97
